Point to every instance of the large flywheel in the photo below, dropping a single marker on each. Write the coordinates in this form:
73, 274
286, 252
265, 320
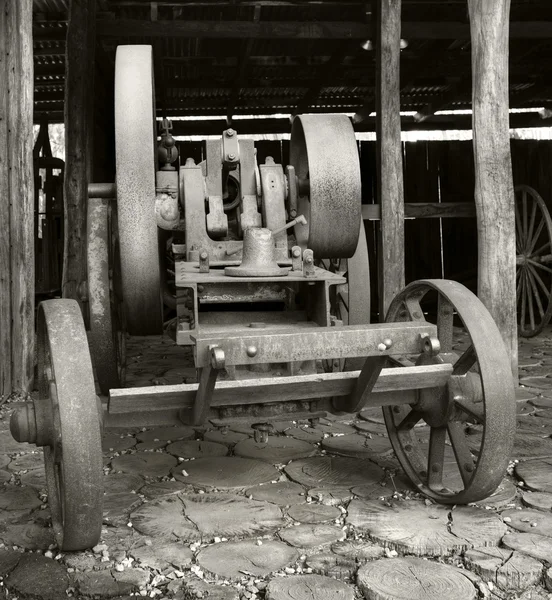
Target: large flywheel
135, 156
324, 153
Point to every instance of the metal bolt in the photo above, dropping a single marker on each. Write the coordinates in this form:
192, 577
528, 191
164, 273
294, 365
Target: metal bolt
230, 132
251, 351
231, 156
382, 347
469, 468
200, 288
297, 252
388, 342
417, 315
309, 260
203, 255
435, 468
408, 448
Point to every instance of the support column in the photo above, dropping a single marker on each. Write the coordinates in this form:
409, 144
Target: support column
16, 197
494, 190
79, 94
389, 152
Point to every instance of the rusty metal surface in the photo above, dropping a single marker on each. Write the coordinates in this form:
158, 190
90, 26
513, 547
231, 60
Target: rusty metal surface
73, 458
107, 335
324, 151
258, 256
135, 158
315, 343
476, 472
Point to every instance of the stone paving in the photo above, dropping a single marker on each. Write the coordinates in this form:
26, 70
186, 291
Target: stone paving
320, 511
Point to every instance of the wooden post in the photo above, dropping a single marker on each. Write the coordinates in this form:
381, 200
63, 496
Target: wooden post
16, 197
494, 191
79, 93
389, 152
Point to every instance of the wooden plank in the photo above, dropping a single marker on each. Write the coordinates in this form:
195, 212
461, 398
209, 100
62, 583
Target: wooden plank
283, 389
18, 87
494, 190
79, 90
5, 255
390, 167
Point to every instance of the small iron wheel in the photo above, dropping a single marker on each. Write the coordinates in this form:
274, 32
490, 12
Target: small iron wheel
105, 298
66, 422
533, 260
453, 467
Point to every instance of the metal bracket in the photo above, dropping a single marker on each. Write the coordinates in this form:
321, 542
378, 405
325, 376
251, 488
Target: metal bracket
203, 261
308, 263
230, 150
430, 345
292, 191
250, 216
217, 221
296, 260
207, 381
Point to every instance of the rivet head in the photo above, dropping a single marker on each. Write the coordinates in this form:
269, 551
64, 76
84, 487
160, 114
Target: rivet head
388, 342
251, 351
382, 347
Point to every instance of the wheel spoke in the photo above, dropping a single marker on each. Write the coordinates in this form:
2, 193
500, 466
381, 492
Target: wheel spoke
414, 309
538, 278
541, 249
532, 225
518, 226
445, 318
531, 244
411, 419
436, 457
471, 409
465, 362
538, 265
536, 293
524, 207
462, 453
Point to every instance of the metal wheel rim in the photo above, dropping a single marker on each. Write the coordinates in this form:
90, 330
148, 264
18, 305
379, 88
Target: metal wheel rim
533, 278
323, 149
107, 322
496, 411
73, 459
135, 157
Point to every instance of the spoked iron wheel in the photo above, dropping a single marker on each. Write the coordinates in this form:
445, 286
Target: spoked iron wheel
451, 468
65, 421
107, 320
534, 261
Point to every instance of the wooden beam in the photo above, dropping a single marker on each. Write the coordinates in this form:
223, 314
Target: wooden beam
79, 92
16, 198
389, 153
424, 30
494, 190
424, 210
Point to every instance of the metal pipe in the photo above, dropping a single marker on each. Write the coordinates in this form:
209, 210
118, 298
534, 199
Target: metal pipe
102, 190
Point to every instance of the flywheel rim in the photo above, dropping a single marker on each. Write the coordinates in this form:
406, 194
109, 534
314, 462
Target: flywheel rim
324, 153
136, 158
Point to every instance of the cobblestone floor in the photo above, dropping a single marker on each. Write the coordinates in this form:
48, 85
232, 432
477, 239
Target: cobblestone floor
320, 512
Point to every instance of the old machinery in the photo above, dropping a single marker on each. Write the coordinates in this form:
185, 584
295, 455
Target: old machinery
272, 295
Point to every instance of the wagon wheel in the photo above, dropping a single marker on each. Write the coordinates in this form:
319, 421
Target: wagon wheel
65, 420
350, 302
534, 261
480, 390
136, 159
324, 152
107, 320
